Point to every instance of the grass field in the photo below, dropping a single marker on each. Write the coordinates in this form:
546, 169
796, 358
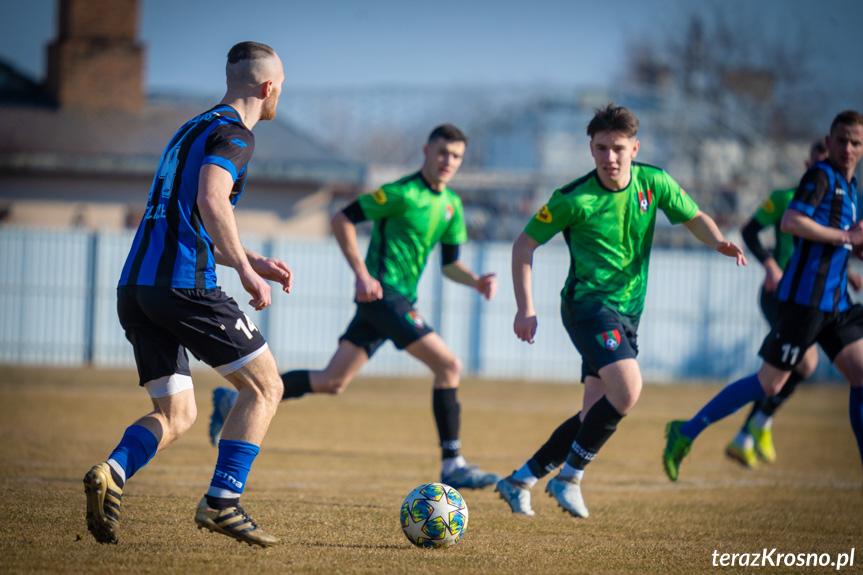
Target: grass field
333, 472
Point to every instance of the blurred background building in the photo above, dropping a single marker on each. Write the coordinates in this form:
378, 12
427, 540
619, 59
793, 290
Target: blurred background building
77, 148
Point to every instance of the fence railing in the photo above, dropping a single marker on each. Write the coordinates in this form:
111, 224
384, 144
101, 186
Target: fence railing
58, 308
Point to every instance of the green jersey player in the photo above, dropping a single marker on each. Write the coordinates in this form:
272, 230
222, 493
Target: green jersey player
411, 216
607, 219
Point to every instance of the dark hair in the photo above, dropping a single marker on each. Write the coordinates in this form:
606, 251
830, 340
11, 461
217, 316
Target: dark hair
613, 119
449, 133
249, 51
847, 118
818, 147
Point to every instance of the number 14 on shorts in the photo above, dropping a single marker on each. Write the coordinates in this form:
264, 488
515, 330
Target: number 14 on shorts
247, 327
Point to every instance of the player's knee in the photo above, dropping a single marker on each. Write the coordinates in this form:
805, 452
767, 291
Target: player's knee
623, 402
627, 403
773, 387
181, 418
452, 367
334, 384
272, 390
807, 365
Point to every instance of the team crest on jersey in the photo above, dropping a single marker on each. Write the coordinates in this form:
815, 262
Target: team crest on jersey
609, 339
380, 196
414, 317
544, 215
768, 206
644, 200
449, 212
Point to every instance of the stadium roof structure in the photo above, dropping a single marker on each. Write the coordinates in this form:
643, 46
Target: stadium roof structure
37, 136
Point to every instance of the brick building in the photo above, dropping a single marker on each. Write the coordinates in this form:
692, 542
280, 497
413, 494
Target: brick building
80, 148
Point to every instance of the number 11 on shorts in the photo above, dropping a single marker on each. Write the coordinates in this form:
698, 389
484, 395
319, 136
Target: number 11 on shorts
787, 351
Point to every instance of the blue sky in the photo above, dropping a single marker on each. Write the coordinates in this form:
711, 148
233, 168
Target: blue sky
342, 43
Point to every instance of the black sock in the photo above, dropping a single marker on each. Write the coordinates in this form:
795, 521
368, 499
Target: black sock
297, 384
600, 422
221, 502
554, 451
756, 406
447, 415
769, 405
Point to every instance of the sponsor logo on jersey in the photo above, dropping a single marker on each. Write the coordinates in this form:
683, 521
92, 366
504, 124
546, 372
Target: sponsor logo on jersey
380, 196
839, 192
414, 317
449, 212
609, 339
644, 200
544, 215
768, 206
238, 142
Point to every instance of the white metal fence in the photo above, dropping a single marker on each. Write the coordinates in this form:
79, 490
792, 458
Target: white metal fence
58, 308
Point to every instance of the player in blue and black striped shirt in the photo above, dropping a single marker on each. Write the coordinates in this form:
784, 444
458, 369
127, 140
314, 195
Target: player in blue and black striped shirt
814, 305
168, 301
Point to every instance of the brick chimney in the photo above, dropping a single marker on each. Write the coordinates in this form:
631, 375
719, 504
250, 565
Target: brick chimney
96, 63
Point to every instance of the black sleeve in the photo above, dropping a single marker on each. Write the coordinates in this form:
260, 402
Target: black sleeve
448, 253
354, 212
750, 238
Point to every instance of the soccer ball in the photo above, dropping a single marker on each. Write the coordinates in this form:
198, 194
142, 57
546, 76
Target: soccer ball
434, 515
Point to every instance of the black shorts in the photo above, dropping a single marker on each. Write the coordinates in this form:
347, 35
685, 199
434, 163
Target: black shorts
392, 317
601, 335
799, 326
769, 306
162, 323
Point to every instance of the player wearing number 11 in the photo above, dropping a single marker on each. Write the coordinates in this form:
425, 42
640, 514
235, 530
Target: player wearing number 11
814, 305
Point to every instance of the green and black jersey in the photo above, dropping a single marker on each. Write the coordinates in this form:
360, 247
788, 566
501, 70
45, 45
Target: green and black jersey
409, 220
770, 214
610, 233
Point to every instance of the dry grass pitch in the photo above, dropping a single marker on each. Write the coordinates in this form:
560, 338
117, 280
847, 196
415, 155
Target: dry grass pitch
334, 470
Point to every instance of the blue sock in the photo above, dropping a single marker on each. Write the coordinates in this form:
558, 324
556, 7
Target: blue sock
232, 468
137, 447
726, 402
855, 409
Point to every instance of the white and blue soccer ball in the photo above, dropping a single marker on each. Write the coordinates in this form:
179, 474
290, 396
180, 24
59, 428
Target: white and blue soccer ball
434, 515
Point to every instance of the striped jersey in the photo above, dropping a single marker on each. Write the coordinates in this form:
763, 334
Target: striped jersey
410, 219
817, 274
171, 247
609, 234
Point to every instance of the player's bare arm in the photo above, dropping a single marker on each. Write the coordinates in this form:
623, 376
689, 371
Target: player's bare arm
799, 224
458, 272
214, 204
368, 288
705, 229
268, 268
525, 323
